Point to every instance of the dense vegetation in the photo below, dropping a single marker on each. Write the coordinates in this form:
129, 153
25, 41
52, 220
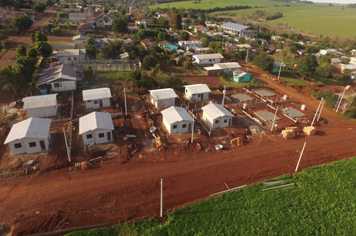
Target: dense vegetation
322, 202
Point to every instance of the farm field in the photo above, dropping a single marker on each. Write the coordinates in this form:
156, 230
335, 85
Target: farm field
321, 202
316, 19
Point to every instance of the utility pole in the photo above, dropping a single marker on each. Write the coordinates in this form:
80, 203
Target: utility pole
161, 208
192, 132
300, 157
322, 105
280, 68
246, 55
316, 113
274, 118
224, 92
125, 102
342, 96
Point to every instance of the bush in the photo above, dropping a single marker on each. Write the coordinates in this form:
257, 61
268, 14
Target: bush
57, 31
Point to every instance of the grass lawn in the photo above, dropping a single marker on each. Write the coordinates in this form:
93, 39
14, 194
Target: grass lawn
59, 42
110, 77
328, 81
315, 19
292, 81
322, 202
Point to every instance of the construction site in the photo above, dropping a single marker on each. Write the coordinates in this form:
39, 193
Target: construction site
142, 151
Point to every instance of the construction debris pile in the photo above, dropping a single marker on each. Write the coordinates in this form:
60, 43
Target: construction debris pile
160, 145
236, 142
309, 130
289, 132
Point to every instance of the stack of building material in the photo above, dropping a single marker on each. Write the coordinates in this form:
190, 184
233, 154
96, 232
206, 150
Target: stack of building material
236, 142
287, 134
160, 144
309, 130
294, 129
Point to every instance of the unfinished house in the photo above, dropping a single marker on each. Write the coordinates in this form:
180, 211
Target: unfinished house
197, 92
29, 136
41, 106
177, 120
96, 127
217, 116
97, 98
60, 78
163, 97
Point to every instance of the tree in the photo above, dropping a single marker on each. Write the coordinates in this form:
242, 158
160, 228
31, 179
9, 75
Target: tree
49, 27
329, 97
56, 31
33, 38
110, 50
90, 48
10, 79
123, 11
48, 3
44, 49
119, 25
39, 7
25, 67
21, 23
149, 62
40, 37
307, 65
185, 35
324, 59
32, 52
175, 21
263, 61
20, 51
242, 40
324, 70
162, 36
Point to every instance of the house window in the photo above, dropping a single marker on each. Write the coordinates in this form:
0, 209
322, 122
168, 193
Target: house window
96, 102
32, 144
225, 121
174, 127
57, 85
69, 58
217, 122
210, 60
89, 136
184, 126
74, 58
17, 145
101, 135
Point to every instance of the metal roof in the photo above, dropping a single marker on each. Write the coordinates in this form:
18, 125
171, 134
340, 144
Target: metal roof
163, 93
198, 88
40, 101
68, 53
79, 36
214, 111
33, 127
95, 120
64, 71
208, 56
176, 114
190, 42
228, 65
235, 26
94, 94
239, 73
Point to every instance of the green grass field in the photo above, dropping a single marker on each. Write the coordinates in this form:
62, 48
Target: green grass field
316, 19
322, 202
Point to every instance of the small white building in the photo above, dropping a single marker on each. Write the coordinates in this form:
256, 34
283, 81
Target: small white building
96, 127
177, 120
69, 56
352, 60
79, 39
217, 116
97, 98
163, 97
197, 92
198, 51
222, 68
190, 44
41, 106
212, 58
29, 136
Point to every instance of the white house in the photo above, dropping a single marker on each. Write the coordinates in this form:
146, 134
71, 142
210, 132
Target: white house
60, 78
79, 39
177, 120
208, 58
69, 56
198, 51
191, 44
41, 106
352, 60
163, 97
222, 68
97, 98
29, 136
96, 127
217, 116
197, 92
239, 30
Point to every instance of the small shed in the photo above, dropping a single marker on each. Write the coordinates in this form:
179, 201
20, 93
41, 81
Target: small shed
197, 92
177, 120
241, 76
41, 106
278, 66
96, 127
79, 39
97, 98
29, 136
217, 116
163, 97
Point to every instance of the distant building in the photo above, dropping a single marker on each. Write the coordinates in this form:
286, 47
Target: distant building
177, 120
278, 66
208, 58
100, 20
69, 56
41, 106
222, 68
239, 30
186, 44
79, 39
29, 136
85, 29
241, 76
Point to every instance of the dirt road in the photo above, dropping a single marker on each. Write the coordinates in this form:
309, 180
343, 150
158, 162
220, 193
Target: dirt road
119, 192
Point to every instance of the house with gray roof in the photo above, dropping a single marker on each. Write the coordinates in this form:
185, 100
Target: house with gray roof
177, 120
60, 78
212, 58
69, 56
163, 97
41, 106
197, 92
79, 39
29, 136
97, 98
217, 116
239, 30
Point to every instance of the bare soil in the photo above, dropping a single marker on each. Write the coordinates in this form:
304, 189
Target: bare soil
124, 185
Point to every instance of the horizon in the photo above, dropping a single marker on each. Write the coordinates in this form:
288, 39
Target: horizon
335, 1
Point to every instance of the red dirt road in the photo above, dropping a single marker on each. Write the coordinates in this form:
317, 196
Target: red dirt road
119, 192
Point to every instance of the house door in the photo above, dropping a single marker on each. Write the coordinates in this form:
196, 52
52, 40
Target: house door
101, 103
109, 136
43, 146
190, 127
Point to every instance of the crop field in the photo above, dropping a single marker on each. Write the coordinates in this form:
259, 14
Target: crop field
321, 202
316, 19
